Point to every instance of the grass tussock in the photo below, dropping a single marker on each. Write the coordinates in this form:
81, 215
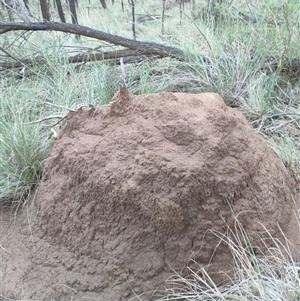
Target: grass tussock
30, 108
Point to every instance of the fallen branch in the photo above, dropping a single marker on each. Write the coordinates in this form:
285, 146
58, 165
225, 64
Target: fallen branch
131, 54
146, 47
128, 55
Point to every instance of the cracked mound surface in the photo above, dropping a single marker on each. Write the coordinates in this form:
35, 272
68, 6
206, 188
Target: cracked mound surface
130, 192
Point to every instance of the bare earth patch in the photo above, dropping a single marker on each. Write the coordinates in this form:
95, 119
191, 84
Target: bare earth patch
130, 192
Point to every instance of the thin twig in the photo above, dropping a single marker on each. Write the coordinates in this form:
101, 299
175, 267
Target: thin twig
60, 117
46, 118
5, 298
273, 128
261, 123
9, 299
59, 106
11, 56
274, 115
4, 249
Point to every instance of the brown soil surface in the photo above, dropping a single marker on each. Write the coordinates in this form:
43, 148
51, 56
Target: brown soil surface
130, 192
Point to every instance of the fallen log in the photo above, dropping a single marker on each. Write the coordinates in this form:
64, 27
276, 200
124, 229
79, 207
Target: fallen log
128, 55
148, 47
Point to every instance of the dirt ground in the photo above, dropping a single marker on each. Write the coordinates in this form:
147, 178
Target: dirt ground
137, 189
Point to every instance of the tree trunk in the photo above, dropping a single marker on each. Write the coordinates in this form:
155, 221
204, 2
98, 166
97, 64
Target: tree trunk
26, 2
73, 11
133, 19
60, 11
103, 3
163, 17
45, 10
